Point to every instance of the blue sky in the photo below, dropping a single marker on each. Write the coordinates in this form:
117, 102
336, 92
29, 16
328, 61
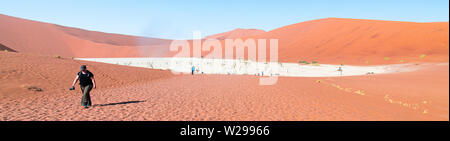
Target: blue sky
176, 19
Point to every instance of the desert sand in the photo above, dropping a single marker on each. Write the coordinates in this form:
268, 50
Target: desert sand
28, 36
236, 33
362, 42
34, 80
327, 41
129, 93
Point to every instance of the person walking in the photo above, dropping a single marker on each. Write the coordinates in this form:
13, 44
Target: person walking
193, 69
87, 82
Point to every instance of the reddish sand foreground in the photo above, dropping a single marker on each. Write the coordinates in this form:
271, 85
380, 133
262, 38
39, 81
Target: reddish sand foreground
129, 93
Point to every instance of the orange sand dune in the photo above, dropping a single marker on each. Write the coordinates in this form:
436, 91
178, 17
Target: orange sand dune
113, 39
129, 93
237, 33
34, 82
331, 40
357, 42
28, 36
363, 42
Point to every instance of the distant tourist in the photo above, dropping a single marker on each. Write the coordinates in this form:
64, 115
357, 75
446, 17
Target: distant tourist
87, 82
193, 69
340, 70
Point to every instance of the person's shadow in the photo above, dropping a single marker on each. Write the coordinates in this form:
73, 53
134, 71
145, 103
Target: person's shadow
118, 103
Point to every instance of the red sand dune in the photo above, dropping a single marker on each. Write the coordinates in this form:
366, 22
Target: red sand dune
331, 40
129, 93
34, 83
28, 36
237, 33
354, 41
358, 42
